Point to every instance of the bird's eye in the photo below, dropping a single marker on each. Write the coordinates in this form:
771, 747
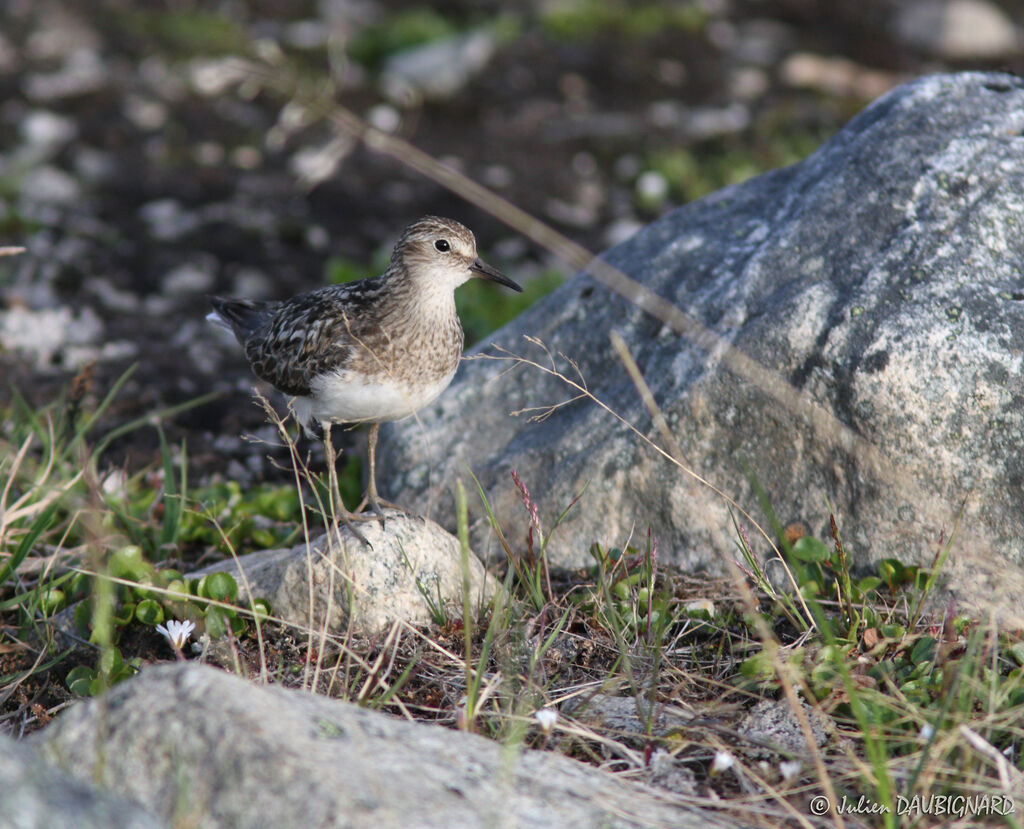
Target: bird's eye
442, 245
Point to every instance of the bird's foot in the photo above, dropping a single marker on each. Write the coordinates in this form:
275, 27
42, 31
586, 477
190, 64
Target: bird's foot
377, 506
348, 519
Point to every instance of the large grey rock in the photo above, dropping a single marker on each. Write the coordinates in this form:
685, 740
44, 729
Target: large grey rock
879, 288
202, 747
37, 795
374, 587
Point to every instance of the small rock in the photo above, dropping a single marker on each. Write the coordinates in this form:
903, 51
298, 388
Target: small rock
665, 772
167, 220
773, 723
760, 42
145, 113
748, 83
190, 278
384, 117
956, 29
620, 230
835, 76
50, 185
254, 283
626, 715
651, 188
47, 130
213, 77
94, 166
410, 557
306, 34
45, 335
497, 176
84, 72
318, 163
439, 69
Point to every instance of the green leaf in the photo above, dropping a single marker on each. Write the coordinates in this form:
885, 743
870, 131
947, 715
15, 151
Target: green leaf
128, 563
179, 591
923, 650
79, 680
1017, 652
261, 609
110, 661
51, 600
868, 583
221, 587
83, 616
808, 548
149, 612
216, 623
124, 614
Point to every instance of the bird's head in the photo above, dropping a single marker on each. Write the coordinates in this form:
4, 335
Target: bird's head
442, 252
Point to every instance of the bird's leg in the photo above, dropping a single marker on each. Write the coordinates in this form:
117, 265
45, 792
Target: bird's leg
338, 509
371, 487
374, 500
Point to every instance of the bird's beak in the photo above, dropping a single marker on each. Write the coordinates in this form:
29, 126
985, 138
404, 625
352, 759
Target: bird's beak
484, 271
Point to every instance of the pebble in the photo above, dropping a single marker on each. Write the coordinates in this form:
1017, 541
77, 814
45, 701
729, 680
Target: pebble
47, 130
145, 113
651, 188
836, 76
167, 219
384, 117
956, 29
306, 34
437, 70
45, 335
84, 72
49, 185
190, 278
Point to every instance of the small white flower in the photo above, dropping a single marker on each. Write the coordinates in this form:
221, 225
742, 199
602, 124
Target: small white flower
546, 719
177, 633
723, 762
789, 769
927, 731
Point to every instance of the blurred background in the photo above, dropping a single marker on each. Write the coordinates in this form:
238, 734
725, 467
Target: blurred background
142, 171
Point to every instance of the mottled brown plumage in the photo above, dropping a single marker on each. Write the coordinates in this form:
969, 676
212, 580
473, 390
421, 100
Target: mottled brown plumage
370, 351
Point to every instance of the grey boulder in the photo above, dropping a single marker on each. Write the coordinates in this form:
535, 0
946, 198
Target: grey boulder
201, 747
867, 315
37, 795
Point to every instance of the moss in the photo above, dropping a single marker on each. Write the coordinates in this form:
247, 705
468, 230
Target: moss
396, 32
580, 19
183, 33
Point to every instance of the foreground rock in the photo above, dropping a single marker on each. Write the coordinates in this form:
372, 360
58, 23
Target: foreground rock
879, 282
201, 747
36, 795
383, 585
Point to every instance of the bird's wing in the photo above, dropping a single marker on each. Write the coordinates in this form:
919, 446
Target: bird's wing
312, 334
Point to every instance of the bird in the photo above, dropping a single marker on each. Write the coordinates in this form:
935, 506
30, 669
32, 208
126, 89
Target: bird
370, 351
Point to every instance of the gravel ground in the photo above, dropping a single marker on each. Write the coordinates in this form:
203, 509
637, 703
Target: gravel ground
139, 181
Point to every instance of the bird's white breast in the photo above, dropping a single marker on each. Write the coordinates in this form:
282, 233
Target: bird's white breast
344, 397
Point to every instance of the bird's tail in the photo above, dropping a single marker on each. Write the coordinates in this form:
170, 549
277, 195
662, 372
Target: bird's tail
240, 316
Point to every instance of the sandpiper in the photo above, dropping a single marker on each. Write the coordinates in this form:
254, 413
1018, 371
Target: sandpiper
370, 351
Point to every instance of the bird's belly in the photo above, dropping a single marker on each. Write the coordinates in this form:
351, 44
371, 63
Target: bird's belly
341, 397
